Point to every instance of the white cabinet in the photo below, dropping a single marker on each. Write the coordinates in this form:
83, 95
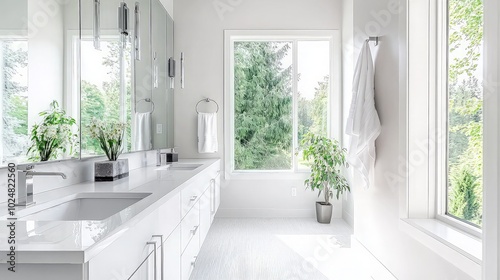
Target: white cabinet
189, 257
149, 267
126, 254
206, 202
121, 258
215, 195
175, 227
172, 256
190, 225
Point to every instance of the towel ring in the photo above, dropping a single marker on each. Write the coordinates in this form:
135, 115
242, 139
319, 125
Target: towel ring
146, 100
207, 100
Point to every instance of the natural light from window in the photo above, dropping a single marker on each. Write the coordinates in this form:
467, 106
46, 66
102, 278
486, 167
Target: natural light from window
465, 111
14, 89
281, 92
102, 96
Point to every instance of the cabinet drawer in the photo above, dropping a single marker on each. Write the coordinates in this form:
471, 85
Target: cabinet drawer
169, 215
190, 226
188, 259
120, 259
172, 251
205, 214
191, 194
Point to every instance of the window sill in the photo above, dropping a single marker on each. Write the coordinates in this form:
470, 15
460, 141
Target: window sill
459, 248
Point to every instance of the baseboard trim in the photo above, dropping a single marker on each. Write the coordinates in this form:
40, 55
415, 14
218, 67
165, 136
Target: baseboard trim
266, 213
270, 213
348, 218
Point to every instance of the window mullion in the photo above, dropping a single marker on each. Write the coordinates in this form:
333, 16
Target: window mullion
295, 110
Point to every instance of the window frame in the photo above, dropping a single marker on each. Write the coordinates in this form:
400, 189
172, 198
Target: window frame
419, 138
334, 100
441, 120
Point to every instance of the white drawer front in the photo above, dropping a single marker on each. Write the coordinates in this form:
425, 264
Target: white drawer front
190, 226
169, 215
189, 257
193, 192
120, 259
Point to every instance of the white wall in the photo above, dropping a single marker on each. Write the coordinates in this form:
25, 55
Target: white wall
199, 26
491, 209
169, 6
45, 58
376, 210
11, 11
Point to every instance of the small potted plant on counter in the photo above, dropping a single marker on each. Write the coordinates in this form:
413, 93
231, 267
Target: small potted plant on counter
110, 137
327, 159
53, 135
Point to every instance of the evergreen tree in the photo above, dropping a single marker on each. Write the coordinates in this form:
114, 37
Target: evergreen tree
464, 199
263, 106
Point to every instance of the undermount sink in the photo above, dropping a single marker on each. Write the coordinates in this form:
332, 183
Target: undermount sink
82, 206
180, 167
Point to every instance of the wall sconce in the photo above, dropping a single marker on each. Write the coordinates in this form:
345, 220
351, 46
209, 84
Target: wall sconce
97, 24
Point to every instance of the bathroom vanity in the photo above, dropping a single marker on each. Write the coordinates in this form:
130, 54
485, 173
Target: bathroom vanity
163, 215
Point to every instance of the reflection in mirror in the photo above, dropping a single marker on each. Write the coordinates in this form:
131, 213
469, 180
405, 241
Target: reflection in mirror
107, 77
163, 92
124, 76
35, 78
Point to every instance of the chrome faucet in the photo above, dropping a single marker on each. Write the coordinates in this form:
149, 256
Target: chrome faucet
25, 183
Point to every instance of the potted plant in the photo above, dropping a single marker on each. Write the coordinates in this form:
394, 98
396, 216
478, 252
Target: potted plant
110, 137
54, 134
327, 159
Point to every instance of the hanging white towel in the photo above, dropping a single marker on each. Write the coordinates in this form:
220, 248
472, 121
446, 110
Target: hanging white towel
363, 123
142, 137
207, 133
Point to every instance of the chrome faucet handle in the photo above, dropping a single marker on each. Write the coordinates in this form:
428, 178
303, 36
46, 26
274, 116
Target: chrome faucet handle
26, 167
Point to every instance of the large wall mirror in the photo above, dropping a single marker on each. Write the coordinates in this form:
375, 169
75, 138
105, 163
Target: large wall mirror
56, 77
39, 105
125, 48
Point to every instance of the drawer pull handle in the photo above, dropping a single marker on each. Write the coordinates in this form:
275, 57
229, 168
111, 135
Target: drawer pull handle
193, 198
154, 258
193, 263
194, 230
162, 253
212, 196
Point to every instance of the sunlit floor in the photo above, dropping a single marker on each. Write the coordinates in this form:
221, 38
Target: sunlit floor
284, 249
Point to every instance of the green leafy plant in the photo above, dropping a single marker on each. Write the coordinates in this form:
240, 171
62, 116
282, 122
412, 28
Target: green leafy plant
327, 158
52, 135
110, 137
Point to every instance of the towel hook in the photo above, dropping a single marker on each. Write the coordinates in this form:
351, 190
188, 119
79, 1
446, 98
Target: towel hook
374, 39
207, 100
146, 100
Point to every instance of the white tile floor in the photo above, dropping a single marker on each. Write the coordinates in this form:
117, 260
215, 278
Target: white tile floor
284, 249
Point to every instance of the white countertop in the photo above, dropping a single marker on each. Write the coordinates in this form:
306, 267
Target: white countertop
78, 241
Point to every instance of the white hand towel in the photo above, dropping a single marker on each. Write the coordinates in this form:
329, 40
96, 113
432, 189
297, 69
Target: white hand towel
142, 137
207, 133
363, 123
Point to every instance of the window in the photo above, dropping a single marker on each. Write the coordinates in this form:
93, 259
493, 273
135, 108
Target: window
280, 86
103, 72
14, 90
463, 110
